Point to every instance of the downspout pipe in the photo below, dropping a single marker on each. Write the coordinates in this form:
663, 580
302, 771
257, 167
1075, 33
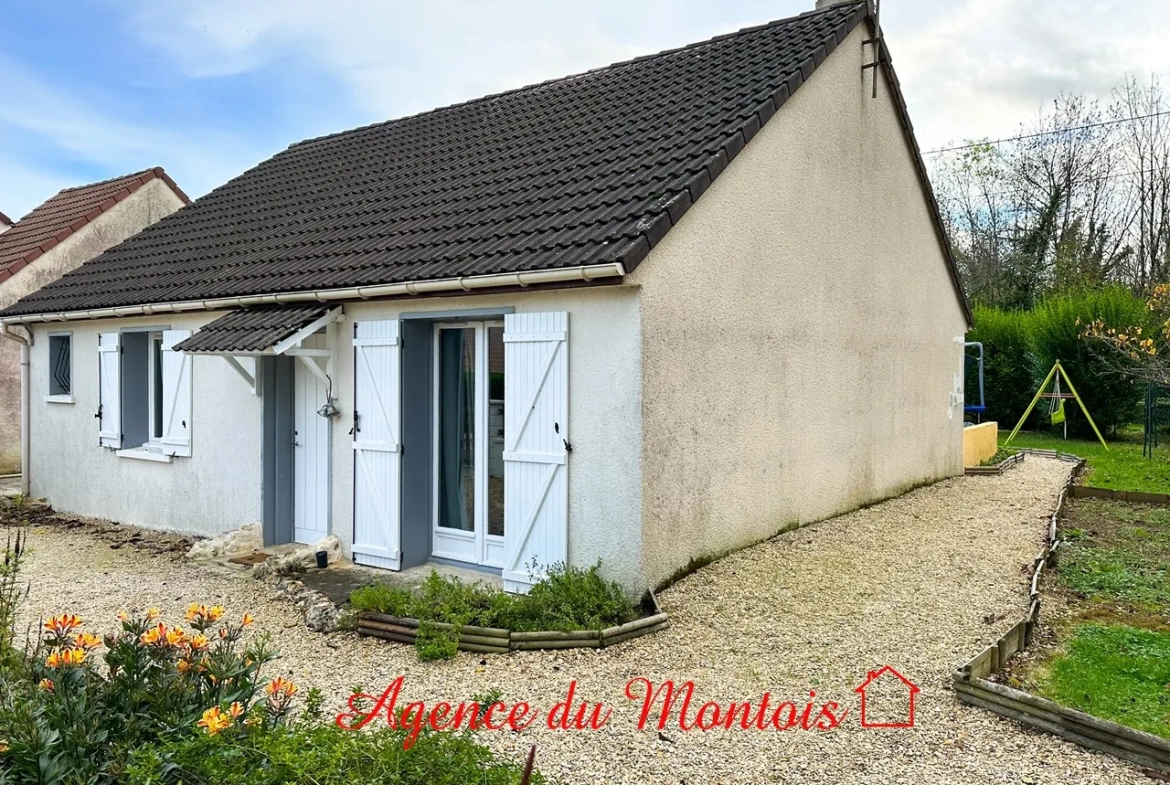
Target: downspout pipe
25, 342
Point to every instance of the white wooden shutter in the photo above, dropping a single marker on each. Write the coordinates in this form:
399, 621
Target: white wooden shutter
536, 438
377, 446
176, 379
109, 412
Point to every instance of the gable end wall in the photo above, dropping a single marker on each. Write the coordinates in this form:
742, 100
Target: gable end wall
799, 331
148, 204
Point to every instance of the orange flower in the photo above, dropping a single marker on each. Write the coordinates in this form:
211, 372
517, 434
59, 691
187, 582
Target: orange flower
152, 614
176, 637
123, 616
63, 625
235, 710
87, 640
66, 657
74, 656
247, 621
214, 613
154, 635
214, 721
3, 748
46, 684
282, 686
183, 666
198, 642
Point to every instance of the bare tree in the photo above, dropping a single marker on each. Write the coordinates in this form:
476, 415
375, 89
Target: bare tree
1145, 147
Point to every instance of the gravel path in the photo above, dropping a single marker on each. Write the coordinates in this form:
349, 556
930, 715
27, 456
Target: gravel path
907, 583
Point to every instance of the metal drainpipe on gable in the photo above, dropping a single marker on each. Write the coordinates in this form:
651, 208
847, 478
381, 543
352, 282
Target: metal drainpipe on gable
25, 343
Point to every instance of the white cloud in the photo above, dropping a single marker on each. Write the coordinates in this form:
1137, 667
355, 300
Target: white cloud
401, 57
981, 67
64, 131
969, 68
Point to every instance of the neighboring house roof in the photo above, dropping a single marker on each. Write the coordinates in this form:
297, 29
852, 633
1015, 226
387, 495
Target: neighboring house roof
580, 172
66, 213
251, 330
4, 219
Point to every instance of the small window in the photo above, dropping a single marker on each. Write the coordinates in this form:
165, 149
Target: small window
155, 393
60, 366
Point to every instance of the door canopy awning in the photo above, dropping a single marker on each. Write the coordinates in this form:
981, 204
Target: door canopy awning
262, 330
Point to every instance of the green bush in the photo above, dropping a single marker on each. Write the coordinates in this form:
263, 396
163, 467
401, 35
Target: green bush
570, 598
66, 719
1020, 348
11, 590
1008, 381
1055, 331
566, 599
321, 754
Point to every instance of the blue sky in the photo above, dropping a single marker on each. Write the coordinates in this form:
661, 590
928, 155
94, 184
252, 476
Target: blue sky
91, 89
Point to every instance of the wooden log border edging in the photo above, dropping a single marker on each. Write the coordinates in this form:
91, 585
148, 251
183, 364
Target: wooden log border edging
972, 686
490, 640
998, 468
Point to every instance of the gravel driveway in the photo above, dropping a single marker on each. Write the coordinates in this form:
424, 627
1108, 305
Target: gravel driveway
907, 583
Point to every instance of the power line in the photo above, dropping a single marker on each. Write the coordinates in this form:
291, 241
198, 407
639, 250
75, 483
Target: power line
1022, 137
997, 194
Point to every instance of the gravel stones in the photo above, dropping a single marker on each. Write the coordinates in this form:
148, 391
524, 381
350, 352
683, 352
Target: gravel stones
908, 583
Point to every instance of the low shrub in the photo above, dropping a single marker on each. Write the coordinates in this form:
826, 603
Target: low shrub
70, 715
564, 600
11, 591
570, 599
321, 754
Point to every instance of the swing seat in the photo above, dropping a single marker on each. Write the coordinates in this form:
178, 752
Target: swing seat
1058, 414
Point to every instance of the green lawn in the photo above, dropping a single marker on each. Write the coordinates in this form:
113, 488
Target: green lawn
1117, 554
1114, 657
1115, 672
1120, 468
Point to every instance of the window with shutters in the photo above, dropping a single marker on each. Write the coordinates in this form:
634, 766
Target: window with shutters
151, 383
60, 368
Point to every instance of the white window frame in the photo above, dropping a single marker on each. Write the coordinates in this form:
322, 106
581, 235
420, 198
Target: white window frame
154, 341
61, 397
154, 448
479, 547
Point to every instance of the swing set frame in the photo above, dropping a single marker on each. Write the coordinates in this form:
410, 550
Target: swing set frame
1071, 394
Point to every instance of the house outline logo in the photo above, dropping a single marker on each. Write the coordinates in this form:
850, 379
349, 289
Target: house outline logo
873, 676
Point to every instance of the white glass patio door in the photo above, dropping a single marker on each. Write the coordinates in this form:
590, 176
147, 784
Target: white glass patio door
468, 443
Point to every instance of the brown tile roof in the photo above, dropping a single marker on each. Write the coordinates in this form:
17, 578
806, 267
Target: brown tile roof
589, 169
65, 213
4, 219
253, 329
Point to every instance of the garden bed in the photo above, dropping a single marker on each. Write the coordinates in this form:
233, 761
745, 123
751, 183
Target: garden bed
995, 466
497, 640
1091, 583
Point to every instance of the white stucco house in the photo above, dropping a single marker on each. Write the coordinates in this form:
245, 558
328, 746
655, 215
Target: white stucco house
55, 237
647, 314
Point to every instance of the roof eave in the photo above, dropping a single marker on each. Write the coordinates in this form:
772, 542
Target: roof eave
568, 275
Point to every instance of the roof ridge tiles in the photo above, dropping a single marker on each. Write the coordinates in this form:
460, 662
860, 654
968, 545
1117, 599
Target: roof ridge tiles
571, 77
